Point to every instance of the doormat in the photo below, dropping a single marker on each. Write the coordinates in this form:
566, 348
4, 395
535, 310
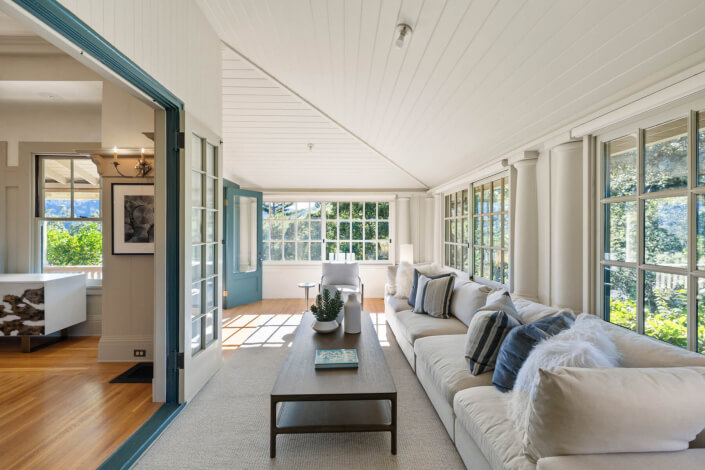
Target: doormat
140, 373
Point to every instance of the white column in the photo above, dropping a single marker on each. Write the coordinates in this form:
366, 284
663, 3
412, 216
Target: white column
438, 228
429, 232
525, 282
403, 221
567, 225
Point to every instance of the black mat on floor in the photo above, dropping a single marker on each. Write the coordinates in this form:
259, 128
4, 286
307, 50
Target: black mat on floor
141, 373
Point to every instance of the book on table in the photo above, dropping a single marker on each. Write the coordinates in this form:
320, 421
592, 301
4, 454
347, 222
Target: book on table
336, 358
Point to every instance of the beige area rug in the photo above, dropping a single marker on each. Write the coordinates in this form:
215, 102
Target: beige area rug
227, 424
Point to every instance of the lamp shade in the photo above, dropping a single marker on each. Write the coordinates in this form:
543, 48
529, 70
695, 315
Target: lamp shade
406, 252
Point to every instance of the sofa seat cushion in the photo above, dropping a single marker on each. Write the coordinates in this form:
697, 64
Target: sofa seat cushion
443, 357
397, 303
682, 460
482, 412
413, 326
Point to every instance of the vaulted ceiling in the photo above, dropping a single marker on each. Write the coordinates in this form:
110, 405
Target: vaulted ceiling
476, 79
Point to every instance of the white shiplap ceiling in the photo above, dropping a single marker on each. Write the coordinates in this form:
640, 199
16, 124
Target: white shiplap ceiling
477, 78
267, 130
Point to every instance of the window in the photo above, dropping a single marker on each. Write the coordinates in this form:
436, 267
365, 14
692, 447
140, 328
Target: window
312, 231
652, 281
488, 219
456, 230
68, 211
204, 244
491, 230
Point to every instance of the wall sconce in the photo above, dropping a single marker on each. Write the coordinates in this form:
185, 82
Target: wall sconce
143, 167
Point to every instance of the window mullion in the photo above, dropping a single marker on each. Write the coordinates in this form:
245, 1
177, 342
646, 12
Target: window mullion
640, 233
692, 282
73, 212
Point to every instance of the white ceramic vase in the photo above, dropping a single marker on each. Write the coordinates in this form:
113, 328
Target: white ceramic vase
325, 326
353, 311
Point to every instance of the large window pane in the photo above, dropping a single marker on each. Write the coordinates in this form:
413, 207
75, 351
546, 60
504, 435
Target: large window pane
666, 156
666, 307
620, 231
666, 231
620, 165
620, 296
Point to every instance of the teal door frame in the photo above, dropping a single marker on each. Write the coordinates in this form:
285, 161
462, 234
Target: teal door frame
241, 287
68, 25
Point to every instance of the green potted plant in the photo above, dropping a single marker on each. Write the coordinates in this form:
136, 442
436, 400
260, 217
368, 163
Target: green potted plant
326, 310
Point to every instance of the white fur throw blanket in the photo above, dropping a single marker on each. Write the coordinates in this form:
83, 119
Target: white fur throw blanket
585, 344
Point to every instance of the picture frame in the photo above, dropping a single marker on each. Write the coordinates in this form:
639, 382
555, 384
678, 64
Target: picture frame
133, 210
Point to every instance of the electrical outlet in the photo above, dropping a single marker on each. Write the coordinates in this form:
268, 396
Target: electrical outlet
140, 352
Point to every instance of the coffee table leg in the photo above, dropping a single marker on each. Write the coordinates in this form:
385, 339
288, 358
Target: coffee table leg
394, 425
272, 430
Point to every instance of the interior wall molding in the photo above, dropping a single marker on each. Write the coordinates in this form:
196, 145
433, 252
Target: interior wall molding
26, 45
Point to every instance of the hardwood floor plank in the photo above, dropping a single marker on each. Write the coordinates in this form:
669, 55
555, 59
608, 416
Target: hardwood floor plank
61, 408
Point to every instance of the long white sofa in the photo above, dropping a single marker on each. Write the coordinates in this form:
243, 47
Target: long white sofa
475, 413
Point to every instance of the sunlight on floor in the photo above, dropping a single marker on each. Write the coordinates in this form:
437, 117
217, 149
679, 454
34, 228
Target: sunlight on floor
275, 330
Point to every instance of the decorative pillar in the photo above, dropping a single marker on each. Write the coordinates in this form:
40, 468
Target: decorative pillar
567, 225
429, 224
403, 222
526, 268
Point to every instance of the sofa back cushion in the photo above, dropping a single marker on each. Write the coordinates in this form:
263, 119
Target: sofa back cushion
594, 411
468, 297
641, 351
530, 311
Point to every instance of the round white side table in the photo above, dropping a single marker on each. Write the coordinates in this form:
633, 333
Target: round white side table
307, 286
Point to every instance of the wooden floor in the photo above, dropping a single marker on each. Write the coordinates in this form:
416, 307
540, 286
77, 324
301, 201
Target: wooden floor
273, 320
58, 409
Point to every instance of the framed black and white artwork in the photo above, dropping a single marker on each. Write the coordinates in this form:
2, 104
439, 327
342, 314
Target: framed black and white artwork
133, 219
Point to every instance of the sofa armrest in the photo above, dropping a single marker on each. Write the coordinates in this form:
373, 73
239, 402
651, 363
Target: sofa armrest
690, 459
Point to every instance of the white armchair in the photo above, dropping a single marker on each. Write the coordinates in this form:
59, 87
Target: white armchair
336, 276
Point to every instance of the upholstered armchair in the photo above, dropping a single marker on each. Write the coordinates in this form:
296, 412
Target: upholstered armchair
342, 276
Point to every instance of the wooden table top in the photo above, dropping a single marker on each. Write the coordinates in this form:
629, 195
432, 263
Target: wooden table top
299, 379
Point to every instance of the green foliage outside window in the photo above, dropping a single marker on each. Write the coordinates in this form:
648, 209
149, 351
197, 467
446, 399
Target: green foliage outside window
74, 244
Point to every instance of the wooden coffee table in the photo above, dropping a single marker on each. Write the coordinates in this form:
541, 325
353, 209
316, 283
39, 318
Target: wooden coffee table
306, 400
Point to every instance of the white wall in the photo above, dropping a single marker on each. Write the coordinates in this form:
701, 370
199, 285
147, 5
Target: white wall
171, 40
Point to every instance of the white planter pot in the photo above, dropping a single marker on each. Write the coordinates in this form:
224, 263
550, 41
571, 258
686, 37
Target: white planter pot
325, 326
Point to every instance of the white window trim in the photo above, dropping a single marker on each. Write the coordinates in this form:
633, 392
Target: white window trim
637, 126
95, 285
328, 198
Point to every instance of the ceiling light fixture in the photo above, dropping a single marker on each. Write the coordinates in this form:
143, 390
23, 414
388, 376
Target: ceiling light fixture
403, 32
310, 146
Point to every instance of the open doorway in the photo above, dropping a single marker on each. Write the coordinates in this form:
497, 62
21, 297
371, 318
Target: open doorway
68, 213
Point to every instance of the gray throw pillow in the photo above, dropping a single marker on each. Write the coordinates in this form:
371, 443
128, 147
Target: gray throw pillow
501, 300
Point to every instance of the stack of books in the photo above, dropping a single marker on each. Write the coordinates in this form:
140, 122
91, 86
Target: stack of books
336, 358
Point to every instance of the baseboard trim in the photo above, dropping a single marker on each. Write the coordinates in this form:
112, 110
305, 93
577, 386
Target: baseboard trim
121, 348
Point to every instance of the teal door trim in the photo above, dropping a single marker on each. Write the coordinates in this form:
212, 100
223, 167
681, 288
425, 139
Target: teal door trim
68, 25
242, 287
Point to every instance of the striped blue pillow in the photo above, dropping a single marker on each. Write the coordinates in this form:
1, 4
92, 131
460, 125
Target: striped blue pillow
486, 332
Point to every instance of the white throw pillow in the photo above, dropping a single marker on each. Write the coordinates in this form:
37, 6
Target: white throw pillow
404, 280
603, 411
468, 296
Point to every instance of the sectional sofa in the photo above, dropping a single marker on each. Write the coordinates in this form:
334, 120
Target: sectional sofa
475, 414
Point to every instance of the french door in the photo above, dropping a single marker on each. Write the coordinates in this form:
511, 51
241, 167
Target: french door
201, 272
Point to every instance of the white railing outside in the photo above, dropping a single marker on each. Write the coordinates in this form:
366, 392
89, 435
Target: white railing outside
91, 272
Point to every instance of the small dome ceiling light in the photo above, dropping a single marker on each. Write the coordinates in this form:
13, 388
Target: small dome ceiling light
403, 33
310, 146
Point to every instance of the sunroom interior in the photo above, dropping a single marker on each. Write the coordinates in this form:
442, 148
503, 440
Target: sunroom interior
512, 193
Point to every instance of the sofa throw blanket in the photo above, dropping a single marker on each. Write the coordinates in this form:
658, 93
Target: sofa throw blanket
485, 334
